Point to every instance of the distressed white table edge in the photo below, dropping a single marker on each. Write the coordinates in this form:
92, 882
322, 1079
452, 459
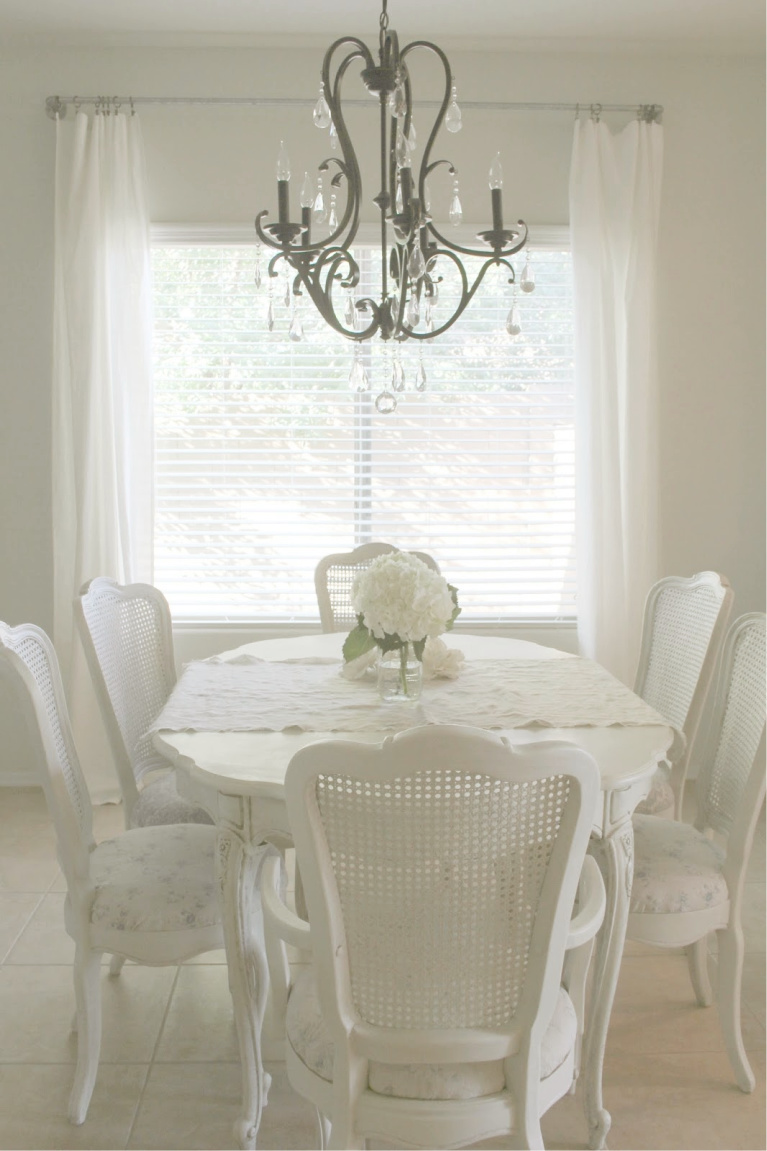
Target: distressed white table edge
238, 777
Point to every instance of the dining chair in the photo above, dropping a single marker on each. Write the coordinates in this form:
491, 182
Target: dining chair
686, 884
335, 574
149, 894
684, 626
440, 871
128, 642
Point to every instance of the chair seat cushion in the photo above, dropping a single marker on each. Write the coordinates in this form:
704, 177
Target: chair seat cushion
156, 879
676, 868
661, 797
309, 1038
159, 802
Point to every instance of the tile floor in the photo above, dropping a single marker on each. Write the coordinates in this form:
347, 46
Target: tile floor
169, 1075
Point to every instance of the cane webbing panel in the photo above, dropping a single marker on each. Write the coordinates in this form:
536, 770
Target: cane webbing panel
31, 650
439, 876
682, 625
733, 748
127, 634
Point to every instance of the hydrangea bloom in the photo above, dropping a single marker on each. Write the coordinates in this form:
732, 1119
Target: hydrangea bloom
398, 595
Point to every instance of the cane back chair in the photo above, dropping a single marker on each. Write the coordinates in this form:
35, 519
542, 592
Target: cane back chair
128, 642
335, 574
440, 871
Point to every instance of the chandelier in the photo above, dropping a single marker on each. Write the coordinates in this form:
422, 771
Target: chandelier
412, 248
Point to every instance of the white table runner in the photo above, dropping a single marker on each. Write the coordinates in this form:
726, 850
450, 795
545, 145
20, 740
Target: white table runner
259, 695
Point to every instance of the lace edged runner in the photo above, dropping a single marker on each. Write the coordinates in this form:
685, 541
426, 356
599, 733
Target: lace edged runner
259, 695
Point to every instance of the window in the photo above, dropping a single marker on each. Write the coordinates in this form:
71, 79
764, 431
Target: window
266, 459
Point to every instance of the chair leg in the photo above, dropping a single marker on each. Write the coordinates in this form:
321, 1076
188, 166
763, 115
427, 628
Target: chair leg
116, 964
697, 962
730, 976
323, 1129
87, 974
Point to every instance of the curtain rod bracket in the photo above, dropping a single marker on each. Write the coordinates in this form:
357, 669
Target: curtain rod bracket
55, 108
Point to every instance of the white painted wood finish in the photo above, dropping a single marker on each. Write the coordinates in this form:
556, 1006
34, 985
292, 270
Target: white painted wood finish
239, 778
435, 997
121, 893
128, 642
682, 635
731, 789
333, 578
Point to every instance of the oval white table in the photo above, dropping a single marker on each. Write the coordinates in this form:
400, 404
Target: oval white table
238, 777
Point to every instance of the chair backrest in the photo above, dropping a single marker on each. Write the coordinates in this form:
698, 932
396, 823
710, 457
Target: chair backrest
128, 642
684, 626
440, 870
335, 574
28, 662
731, 778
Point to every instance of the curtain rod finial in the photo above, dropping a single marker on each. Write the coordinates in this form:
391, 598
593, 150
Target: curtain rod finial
55, 108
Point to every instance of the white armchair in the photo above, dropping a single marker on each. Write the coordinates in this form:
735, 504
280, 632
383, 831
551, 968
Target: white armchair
440, 872
149, 894
685, 884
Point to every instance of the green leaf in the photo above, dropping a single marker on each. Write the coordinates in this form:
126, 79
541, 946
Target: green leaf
418, 646
456, 610
358, 641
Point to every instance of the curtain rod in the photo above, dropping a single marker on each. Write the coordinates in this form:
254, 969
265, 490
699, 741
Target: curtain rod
56, 106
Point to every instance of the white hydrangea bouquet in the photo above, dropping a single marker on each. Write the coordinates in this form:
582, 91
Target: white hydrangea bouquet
399, 602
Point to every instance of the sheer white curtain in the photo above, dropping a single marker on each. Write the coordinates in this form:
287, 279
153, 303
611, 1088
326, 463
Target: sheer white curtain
614, 203
102, 387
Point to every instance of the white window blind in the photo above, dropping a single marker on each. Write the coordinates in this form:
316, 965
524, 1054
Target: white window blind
266, 460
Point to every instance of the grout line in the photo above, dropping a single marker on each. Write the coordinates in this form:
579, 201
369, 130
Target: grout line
150, 1065
26, 923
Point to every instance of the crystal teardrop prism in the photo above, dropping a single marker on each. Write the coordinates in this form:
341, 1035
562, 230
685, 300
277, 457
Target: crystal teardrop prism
413, 313
296, 330
426, 198
349, 311
270, 315
527, 280
455, 215
319, 211
428, 318
416, 265
411, 136
333, 215
399, 101
358, 377
386, 403
257, 275
512, 322
401, 154
321, 110
307, 192
453, 121
420, 377
397, 376
333, 138
398, 205
287, 291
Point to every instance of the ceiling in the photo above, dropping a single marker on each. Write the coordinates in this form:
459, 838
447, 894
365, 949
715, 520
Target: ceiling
681, 25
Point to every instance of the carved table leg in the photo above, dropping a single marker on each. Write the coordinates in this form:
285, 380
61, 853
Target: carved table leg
615, 855
239, 865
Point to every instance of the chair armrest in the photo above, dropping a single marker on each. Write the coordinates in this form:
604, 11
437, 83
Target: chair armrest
286, 924
592, 900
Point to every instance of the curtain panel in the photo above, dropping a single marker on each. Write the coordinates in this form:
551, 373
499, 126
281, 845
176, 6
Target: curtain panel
614, 207
102, 392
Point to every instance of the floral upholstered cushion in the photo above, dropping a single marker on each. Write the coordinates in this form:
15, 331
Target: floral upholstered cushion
159, 802
309, 1039
156, 879
676, 868
661, 797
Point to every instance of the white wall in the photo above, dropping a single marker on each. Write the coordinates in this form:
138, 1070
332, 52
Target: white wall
217, 165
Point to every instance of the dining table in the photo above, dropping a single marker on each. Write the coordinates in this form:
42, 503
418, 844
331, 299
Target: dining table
235, 769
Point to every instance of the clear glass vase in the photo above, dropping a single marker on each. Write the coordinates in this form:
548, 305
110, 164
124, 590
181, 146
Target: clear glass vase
400, 675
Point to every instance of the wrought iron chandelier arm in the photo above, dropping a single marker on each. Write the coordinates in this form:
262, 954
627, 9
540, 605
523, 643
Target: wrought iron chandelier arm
467, 293
482, 253
350, 218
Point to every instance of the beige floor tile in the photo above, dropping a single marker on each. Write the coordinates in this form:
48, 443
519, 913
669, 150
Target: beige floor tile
754, 918
687, 1100
655, 1011
199, 1026
16, 909
207, 958
754, 984
19, 873
37, 1003
289, 1120
33, 1107
44, 939
188, 1105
